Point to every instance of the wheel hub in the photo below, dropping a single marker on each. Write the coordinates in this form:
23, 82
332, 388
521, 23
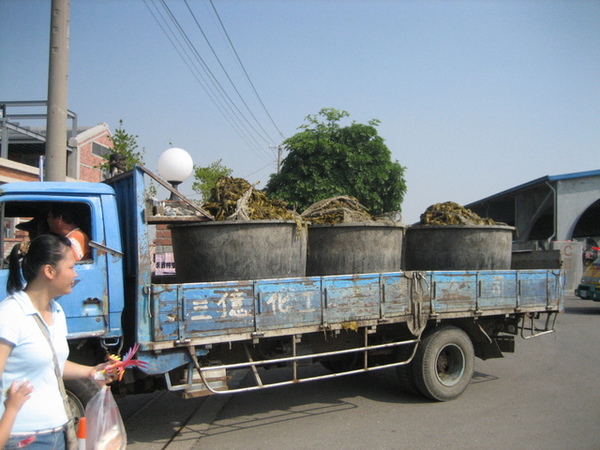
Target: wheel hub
450, 365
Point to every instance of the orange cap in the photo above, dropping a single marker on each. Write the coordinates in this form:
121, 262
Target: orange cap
81, 430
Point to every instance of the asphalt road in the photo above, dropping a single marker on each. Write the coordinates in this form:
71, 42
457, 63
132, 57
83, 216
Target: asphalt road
544, 396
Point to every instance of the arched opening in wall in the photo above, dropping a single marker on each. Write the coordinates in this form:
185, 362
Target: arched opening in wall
587, 230
589, 222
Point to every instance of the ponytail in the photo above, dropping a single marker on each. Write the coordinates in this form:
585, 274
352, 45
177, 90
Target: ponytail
15, 281
44, 249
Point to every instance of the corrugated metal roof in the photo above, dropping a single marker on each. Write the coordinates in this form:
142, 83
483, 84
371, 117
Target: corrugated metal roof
569, 176
536, 182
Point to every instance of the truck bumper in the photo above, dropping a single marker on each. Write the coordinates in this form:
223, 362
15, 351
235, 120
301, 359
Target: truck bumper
588, 292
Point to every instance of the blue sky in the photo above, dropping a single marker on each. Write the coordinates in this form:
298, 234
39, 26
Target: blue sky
474, 97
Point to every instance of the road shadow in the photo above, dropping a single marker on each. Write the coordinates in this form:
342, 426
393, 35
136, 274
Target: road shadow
172, 417
583, 310
378, 385
574, 305
183, 420
480, 377
285, 404
153, 420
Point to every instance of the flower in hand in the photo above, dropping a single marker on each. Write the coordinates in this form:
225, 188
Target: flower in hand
116, 369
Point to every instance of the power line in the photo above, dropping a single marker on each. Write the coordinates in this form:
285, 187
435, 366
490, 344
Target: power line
188, 61
256, 171
244, 69
226, 72
211, 75
225, 105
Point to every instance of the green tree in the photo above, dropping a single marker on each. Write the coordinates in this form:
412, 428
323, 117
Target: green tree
326, 159
207, 177
124, 144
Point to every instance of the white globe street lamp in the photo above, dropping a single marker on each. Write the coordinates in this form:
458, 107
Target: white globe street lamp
175, 165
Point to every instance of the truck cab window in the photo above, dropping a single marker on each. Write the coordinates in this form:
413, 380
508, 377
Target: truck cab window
23, 221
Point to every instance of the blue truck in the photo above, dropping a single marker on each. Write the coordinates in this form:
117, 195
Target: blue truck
429, 325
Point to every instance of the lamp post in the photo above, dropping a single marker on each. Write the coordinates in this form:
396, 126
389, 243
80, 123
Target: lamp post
175, 165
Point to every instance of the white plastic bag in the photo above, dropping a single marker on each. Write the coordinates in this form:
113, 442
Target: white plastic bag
104, 426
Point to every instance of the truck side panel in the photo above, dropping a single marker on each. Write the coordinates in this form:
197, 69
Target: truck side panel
454, 292
531, 288
205, 313
495, 288
351, 298
183, 311
523, 290
471, 293
397, 295
276, 299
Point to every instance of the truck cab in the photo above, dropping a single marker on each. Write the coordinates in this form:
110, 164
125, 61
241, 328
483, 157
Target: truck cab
94, 307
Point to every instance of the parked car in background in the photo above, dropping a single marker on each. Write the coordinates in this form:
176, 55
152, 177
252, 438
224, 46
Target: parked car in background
589, 287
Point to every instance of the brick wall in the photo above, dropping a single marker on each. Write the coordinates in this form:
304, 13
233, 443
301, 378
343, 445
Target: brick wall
162, 251
89, 163
163, 236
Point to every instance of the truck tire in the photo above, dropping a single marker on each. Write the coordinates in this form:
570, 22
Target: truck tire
80, 392
405, 373
443, 365
342, 363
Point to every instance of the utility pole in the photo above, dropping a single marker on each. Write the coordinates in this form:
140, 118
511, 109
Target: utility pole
58, 84
279, 155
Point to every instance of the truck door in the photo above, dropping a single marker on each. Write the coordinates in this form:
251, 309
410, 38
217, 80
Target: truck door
86, 307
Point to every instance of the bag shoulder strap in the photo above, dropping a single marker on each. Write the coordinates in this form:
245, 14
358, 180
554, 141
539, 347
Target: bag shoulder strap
61, 384
71, 441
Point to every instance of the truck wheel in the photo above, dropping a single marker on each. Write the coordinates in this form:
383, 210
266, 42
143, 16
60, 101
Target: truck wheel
342, 363
443, 365
80, 392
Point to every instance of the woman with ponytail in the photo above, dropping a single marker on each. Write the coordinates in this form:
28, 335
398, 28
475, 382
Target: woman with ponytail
33, 342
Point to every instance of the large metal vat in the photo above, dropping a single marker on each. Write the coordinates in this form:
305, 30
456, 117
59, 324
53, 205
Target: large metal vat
458, 247
346, 248
238, 250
